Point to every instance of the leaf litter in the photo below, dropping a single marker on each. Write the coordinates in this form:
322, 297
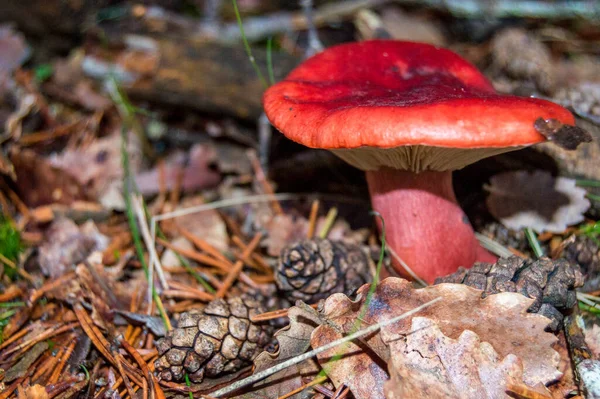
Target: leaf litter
79, 320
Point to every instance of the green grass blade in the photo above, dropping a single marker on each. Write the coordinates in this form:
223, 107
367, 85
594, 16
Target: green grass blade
270, 60
533, 242
238, 17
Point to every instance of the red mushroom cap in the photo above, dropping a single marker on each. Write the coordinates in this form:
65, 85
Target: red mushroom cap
387, 94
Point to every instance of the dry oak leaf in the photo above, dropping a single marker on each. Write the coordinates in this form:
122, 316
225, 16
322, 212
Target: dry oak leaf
538, 200
358, 367
426, 363
294, 340
501, 320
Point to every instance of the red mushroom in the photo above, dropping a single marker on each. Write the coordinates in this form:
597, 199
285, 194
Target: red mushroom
408, 114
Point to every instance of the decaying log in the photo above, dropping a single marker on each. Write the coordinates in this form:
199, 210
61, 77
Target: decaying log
208, 77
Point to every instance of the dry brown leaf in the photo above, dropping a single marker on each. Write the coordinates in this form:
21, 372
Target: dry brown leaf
98, 167
33, 392
40, 183
67, 244
359, 368
426, 363
293, 340
13, 49
538, 200
284, 230
501, 320
196, 166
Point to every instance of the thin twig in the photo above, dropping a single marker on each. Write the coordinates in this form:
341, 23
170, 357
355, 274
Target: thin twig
298, 359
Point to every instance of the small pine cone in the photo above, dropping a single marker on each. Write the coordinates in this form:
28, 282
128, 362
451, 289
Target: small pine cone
315, 268
219, 339
585, 252
551, 283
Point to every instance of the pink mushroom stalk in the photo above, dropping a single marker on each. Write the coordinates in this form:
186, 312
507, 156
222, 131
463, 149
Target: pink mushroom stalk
408, 114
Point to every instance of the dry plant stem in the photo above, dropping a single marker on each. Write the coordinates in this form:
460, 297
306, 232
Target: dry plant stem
237, 267
266, 185
314, 382
425, 225
290, 362
251, 199
138, 206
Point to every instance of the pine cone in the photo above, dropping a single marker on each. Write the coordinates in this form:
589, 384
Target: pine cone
585, 252
219, 339
315, 268
551, 283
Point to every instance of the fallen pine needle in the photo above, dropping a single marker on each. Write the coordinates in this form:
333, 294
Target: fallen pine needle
524, 392
295, 360
237, 267
312, 218
275, 314
316, 381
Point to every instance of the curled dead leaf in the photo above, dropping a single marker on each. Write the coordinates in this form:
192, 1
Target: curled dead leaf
500, 320
538, 200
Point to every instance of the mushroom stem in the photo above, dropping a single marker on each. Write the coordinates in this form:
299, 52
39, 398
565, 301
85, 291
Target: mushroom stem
424, 223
